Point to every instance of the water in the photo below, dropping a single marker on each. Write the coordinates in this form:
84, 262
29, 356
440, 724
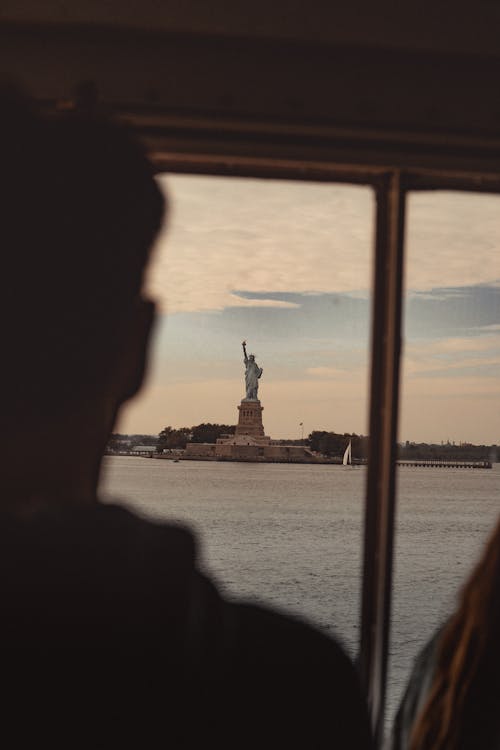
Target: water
291, 536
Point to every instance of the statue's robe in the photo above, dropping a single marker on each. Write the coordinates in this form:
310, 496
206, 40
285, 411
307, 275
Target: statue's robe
252, 375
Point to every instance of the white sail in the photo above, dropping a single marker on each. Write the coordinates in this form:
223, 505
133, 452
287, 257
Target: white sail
347, 461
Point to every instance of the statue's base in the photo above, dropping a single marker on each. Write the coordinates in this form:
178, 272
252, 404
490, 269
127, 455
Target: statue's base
249, 443
249, 430
250, 420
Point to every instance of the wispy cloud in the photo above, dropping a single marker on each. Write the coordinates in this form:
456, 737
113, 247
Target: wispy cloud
440, 356
237, 300
493, 327
452, 236
330, 372
259, 235
226, 234
453, 345
438, 295
452, 312
413, 367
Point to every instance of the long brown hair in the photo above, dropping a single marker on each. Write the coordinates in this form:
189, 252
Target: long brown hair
460, 710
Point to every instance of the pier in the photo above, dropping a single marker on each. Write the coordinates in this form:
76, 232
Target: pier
437, 464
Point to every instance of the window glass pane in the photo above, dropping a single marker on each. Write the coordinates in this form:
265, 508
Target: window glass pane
449, 413
285, 266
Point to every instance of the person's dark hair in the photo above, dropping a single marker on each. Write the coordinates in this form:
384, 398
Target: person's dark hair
461, 712
79, 212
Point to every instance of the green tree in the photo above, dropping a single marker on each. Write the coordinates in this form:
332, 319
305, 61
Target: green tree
208, 432
334, 444
327, 443
170, 438
163, 438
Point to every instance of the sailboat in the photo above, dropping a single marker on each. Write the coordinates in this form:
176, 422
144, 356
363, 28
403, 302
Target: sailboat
347, 460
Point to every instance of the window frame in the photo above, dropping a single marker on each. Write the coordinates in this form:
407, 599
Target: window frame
391, 187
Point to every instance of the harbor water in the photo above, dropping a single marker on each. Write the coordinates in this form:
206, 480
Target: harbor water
291, 536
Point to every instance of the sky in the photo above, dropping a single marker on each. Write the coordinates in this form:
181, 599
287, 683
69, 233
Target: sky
287, 266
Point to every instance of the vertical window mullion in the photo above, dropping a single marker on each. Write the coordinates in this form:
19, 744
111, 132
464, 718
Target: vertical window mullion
384, 398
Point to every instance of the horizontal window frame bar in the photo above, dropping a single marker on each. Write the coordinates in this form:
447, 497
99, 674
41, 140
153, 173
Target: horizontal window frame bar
412, 180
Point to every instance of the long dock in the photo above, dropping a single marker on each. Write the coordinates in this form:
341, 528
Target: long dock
437, 464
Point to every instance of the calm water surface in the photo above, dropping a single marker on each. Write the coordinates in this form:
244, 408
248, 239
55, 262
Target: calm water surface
291, 536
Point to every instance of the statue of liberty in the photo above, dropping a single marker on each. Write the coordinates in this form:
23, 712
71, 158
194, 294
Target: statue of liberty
252, 374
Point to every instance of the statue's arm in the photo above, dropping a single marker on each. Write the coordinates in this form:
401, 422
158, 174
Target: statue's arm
245, 358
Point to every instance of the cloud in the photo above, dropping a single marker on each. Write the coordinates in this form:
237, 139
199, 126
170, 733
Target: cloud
493, 327
477, 344
444, 313
413, 366
452, 237
327, 372
438, 295
480, 354
454, 387
452, 346
227, 234
240, 301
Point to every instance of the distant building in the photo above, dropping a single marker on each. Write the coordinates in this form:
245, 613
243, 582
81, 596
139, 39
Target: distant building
143, 449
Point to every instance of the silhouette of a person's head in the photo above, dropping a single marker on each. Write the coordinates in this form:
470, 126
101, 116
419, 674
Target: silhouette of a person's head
79, 213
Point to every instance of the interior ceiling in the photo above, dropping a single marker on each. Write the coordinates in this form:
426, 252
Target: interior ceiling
458, 26
356, 83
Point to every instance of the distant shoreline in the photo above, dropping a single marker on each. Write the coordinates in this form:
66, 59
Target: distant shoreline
260, 460
317, 460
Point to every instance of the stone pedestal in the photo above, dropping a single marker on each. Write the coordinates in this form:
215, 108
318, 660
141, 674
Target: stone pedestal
250, 419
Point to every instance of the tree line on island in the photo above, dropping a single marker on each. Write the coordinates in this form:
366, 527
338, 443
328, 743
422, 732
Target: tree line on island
171, 438
327, 443
176, 438
202, 433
